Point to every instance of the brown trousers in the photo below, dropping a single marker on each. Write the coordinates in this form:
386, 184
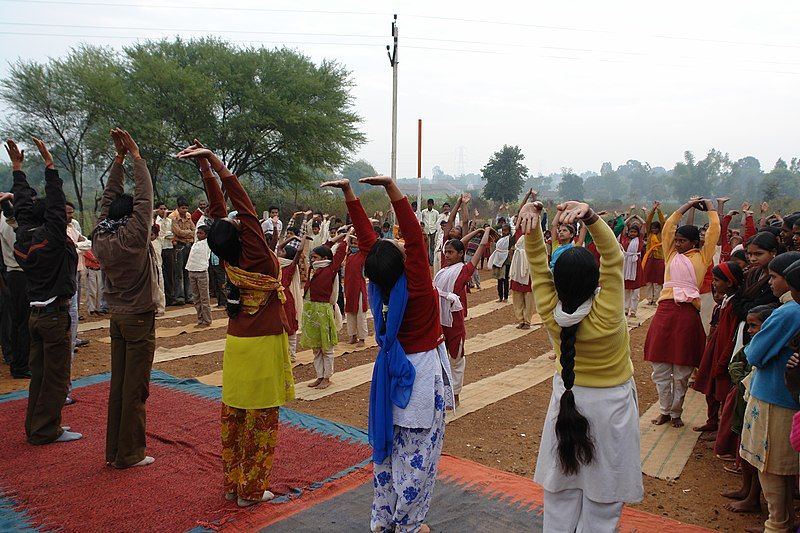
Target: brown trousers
49, 361
202, 302
133, 344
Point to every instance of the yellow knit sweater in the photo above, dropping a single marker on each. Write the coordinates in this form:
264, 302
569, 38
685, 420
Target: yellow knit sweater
602, 344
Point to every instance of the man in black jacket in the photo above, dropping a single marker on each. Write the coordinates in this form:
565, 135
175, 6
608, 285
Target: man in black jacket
49, 260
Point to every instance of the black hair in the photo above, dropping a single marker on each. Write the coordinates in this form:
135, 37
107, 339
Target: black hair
762, 312
384, 265
294, 229
223, 240
576, 277
37, 211
289, 252
774, 230
740, 254
457, 245
377, 230
159, 204
446, 204
655, 224
204, 228
182, 201
735, 269
323, 251
781, 262
792, 275
386, 225
791, 220
690, 233
121, 206
69, 204
315, 224
430, 201
273, 208
570, 227
766, 240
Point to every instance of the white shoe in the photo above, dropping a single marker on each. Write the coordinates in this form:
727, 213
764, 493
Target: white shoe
68, 436
267, 496
146, 461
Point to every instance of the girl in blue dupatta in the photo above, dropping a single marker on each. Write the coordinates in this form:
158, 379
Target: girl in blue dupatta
411, 379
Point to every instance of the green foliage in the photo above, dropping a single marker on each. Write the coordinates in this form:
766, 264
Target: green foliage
571, 186
504, 174
271, 114
355, 171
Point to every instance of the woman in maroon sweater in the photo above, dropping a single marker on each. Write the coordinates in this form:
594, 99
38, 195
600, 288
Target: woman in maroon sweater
411, 381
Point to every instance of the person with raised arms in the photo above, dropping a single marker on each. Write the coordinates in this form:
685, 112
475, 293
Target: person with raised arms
411, 380
589, 459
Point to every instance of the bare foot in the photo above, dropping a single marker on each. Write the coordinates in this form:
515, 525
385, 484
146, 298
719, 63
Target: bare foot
424, 529
705, 427
662, 419
352, 340
525, 325
360, 343
315, 383
744, 506
677, 422
740, 494
728, 458
708, 437
324, 384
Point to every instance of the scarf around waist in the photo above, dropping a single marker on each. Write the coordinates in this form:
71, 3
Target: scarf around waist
255, 289
683, 279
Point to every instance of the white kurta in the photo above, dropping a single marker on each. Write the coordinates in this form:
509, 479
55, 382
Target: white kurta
615, 475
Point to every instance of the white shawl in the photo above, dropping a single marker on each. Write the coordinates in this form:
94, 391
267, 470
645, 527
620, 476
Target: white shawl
449, 302
500, 254
566, 320
631, 259
520, 269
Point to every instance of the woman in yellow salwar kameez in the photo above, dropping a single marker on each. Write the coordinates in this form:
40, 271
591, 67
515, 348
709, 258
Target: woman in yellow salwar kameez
256, 369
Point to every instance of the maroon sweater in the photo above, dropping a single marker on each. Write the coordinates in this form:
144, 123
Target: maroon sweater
255, 256
420, 330
319, 287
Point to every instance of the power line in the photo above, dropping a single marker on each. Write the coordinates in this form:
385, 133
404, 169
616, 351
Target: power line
375, 13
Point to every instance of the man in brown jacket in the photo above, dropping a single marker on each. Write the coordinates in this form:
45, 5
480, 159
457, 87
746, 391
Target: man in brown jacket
121, 242
183, 229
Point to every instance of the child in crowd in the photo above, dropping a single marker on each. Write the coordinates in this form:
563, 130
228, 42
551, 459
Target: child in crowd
712, 375
451, 282
632, 249
94, 282
500, 262
320, 327
653, 260
520, 276
770, 408
674, 356
197, 267
355, 294
289, 257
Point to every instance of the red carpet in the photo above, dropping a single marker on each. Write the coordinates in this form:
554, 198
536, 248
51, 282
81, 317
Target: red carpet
67, 486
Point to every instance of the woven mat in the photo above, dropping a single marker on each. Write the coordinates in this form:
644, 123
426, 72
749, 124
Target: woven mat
183, 329
665, 449
174, 313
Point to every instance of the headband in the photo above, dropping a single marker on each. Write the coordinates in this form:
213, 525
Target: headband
726, 271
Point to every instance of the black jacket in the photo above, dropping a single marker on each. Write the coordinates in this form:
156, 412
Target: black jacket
44, 252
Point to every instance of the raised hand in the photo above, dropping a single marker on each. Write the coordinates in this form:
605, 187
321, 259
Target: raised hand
529, 216
733, 213
194, 151
119, 145
381, 181
336, 184
569, 212
48, 159
16, 155
6, 196
764, 208
465, 197
129, 143
723, 200
746, 206
656, 204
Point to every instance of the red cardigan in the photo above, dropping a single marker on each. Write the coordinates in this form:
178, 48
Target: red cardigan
420, 330
255, 256
355, 286
319, 287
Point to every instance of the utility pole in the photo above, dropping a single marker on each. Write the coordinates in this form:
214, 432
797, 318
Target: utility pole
419, 164
392, 52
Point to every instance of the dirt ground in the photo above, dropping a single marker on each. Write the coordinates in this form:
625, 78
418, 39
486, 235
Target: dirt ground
504, 435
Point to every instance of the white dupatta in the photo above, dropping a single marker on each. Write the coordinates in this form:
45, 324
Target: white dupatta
449, 302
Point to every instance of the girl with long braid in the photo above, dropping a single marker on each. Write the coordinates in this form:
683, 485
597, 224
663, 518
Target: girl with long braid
411, 380
588, 460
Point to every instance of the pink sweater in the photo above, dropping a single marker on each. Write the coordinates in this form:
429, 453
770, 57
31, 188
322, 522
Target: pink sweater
794, 436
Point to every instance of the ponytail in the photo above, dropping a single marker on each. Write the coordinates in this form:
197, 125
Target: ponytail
575, 445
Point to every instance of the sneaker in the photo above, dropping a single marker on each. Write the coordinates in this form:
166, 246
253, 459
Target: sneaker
80, 343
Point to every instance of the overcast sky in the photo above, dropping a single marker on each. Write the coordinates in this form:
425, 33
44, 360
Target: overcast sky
573, 83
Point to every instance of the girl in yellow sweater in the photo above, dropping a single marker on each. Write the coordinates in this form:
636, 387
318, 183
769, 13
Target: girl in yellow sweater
588, 460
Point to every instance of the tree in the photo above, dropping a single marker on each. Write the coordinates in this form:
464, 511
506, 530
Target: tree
504, 174
355, 171
780, 182
571, 186
700, 178
61, 102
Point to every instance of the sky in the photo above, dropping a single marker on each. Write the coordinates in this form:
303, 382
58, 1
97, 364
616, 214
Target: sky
573, 83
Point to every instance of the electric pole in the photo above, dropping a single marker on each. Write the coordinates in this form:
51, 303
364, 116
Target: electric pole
392, 52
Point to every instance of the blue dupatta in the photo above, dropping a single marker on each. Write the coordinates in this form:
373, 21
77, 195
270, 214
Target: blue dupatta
393, 374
